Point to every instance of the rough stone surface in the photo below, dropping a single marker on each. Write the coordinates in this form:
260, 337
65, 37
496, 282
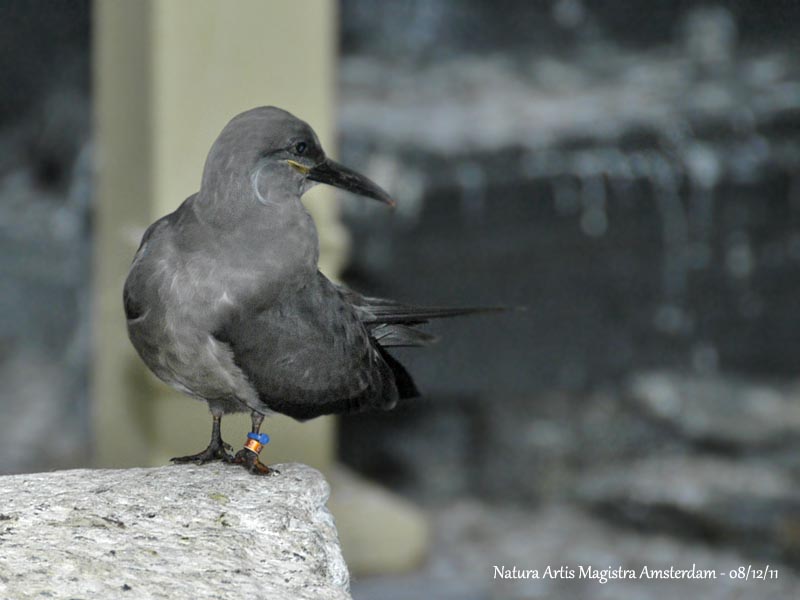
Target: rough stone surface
171, 532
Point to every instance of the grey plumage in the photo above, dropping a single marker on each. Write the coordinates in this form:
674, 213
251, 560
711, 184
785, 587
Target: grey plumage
225, 303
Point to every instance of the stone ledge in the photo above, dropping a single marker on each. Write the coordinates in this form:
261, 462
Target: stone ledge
185, 531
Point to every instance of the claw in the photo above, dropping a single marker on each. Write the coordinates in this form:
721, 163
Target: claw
249, 460
208, 455
215, 450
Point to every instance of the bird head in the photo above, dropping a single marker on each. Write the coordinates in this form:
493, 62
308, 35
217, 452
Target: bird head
281, 157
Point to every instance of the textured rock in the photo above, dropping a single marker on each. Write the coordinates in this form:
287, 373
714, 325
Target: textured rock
171, 532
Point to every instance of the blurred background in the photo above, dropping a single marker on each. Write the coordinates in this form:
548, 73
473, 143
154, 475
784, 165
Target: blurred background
628, 171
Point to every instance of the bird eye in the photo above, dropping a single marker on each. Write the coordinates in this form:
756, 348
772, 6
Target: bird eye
300, 147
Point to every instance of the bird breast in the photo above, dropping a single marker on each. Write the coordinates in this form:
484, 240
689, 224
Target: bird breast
197, 285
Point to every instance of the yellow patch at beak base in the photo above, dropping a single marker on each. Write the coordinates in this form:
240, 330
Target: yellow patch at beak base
298, 167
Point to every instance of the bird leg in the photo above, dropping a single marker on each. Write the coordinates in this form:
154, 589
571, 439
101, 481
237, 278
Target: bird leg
256, 419
216, 448
248, 456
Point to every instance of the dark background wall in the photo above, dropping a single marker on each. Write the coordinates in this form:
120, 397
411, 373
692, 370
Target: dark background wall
627, 171
415, 29
668, 236
45, 234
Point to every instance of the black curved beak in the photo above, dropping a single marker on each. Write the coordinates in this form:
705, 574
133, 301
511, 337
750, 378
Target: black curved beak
339, 176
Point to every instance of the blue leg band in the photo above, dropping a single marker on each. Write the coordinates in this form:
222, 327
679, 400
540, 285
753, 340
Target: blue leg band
261, 438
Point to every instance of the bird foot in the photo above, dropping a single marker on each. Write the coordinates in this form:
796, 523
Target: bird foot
210, 454
249, 460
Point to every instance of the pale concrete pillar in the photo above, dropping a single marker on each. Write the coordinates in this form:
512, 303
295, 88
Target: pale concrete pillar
169, 76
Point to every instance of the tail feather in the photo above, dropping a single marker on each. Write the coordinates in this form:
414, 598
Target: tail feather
397, 335
388, 313
392, 324
406, 388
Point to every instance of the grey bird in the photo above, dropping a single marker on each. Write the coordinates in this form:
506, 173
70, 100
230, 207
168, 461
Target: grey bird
224, 300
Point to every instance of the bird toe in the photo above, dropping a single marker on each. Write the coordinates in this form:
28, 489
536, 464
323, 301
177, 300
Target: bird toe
260, 468
249, 460
206, 456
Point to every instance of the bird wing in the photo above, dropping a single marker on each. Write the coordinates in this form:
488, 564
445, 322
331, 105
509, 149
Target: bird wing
308, 354
321, 349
